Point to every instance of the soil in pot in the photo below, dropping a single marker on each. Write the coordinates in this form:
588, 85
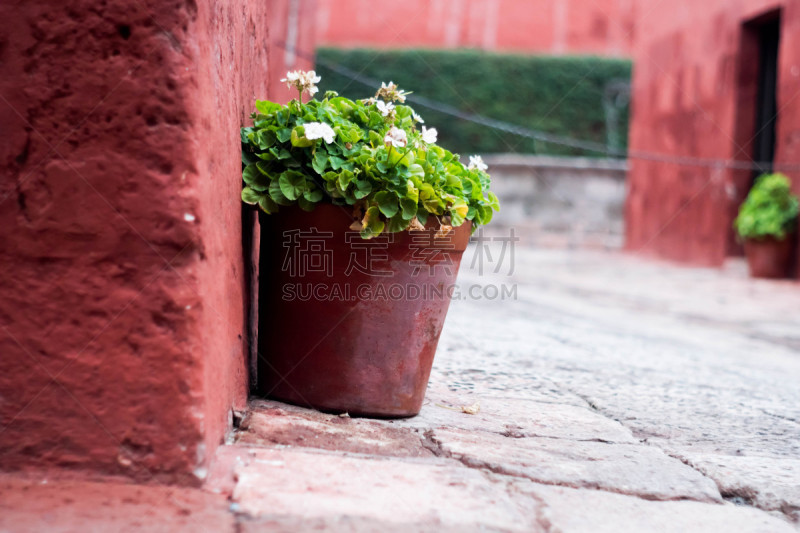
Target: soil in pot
346, 324
770, 257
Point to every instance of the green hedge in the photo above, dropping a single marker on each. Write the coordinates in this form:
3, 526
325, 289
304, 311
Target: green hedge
557, 95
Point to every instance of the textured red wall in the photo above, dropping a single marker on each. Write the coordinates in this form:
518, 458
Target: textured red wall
689, 86
122, 308
602, 27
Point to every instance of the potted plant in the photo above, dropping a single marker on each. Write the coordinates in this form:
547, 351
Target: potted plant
364, 219
766, 224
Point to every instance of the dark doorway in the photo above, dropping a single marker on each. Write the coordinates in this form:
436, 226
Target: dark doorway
756, 110
766, 101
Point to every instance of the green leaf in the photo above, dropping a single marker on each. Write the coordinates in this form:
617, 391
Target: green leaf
375, 139
255, 178
429, 199
284, 134
458, 212
265, 107
345, 177
268, 205
416, 171
249, 196
483, 214
413, 192
265, 139
409, 208
292, 184
375, 119
263, 167
396, 157
387, 203
494, 202
396, 223
249, 157
282, 117
314, 195
363, 188
277, 195
354, 135
299, 139
373, 225
306, 205
320, 162
280, 153
250, 173
336, 162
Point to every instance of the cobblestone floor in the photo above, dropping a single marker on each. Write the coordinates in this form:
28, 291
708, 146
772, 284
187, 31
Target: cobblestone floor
615, 394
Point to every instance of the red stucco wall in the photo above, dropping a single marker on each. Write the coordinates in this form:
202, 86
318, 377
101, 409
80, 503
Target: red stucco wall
688, 94
602, 27
122, 308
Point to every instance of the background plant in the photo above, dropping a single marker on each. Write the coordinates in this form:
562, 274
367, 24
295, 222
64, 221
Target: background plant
580, 97
372, 155
770, 209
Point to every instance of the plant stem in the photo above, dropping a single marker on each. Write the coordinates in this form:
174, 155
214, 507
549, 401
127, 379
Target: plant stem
398, 161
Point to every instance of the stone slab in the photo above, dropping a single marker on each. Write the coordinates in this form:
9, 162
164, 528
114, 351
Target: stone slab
766, 482
274, 423
637, 470
331, 487
591, 511
515, 417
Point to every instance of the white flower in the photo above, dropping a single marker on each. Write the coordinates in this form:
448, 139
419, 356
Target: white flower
384, 108
429, 135
396, 137
291, 76
319, 130
476, 161
417, 117
390, 93
310, 77
303, 81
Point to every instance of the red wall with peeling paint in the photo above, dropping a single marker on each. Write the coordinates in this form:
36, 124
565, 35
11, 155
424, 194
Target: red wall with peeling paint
603, 27
693, 96
122, 301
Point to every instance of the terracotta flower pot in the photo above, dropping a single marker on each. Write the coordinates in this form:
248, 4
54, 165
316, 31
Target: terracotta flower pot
769, 257
348, 325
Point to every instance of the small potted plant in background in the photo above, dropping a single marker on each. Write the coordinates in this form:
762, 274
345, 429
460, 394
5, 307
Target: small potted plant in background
766, 224
364, 219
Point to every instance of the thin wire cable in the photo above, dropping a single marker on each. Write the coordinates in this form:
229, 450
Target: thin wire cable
522, 131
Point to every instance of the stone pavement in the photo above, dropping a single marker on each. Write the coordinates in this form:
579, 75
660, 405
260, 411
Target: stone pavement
613, 394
